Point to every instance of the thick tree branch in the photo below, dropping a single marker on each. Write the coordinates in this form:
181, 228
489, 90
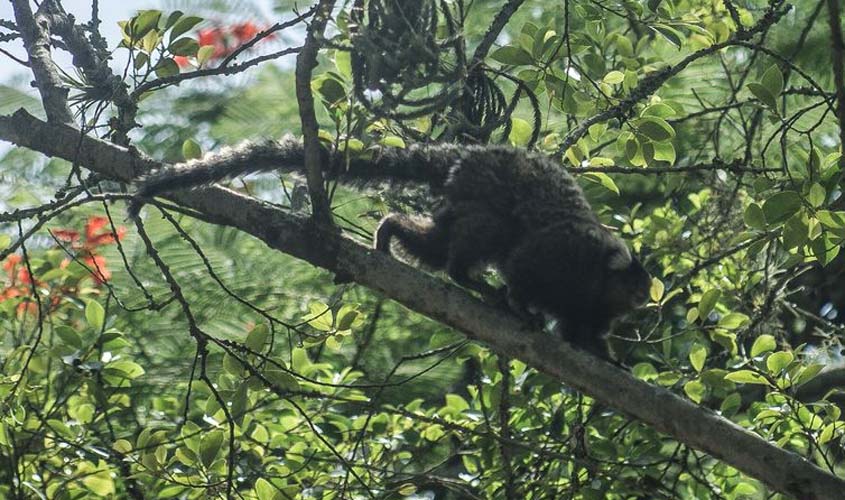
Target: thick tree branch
677, 417
35, 32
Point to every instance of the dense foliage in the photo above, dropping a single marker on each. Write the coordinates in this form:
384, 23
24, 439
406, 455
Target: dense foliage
172, 358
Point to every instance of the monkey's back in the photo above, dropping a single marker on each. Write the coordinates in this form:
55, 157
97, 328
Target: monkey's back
528, 189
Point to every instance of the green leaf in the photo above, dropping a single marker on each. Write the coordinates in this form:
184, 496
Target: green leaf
456, 403
191, 149
795, 232
808, 373
150, 41
733, 320
183, 25
143, 23
515, 56
781, 206
763, 343
95, 315
330, 89
125, 368
282, 379
754, 217
393, 141
731, 404
665, 151
695, 390
778, 361
597, 130
656, 290
263, 489
343, 63
204, 54
256, 338
232, 365
697, 356
187, 47
5, 241
656, 129
763, 94
708, 302
668, 378
659, 109
172, 18
746, 377
99, 482
604, 180
320, 317
122, 446
407, 489
68, 336
210, 446
520, 134
141, 60
817, 195
773, 80
644, 371
827, 433
614, 78
166, 67
347, 317
674, 36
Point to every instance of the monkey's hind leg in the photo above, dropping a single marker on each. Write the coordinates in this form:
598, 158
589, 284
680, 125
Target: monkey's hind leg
425, 239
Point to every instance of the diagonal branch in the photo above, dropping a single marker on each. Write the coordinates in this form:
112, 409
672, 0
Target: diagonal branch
680, 419
495, 29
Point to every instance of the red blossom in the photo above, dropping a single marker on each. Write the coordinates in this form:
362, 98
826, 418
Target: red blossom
97, 233
20, 283
98, 264
224, 38
245, 32
24, 277
68, 235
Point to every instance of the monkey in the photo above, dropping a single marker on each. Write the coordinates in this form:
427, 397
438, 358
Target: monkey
517, 211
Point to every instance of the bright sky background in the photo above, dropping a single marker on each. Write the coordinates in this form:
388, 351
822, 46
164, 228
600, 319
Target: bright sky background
111, 11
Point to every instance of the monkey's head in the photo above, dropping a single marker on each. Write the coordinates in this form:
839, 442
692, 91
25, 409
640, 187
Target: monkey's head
627, 283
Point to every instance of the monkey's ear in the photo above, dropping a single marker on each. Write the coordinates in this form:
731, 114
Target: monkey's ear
620, 259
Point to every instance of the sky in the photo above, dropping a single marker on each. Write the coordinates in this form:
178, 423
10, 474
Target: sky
111, 11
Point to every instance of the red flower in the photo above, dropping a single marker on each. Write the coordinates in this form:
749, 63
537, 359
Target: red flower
11, 263
244, 32
68, 235
20, 284
97, 263
224, 39
94, 239
97, 233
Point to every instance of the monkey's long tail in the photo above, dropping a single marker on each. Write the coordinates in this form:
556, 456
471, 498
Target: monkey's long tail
417, 163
